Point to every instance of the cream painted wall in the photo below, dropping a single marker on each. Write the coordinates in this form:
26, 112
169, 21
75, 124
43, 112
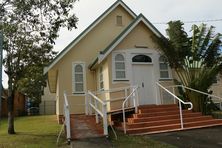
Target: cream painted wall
139, 36
86, 51
57, 96
217, 87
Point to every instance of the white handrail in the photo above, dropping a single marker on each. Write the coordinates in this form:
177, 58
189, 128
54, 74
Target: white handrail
102, 113
123, 106
67, 118
112, 90
180, 101
201, 92
95, 97
191, 105
198, 91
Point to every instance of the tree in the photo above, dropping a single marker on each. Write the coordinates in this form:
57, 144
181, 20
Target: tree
30, 28
196, 59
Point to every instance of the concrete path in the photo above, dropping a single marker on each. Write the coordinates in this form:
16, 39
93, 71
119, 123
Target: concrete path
198, 138
86, 133
91, 143
83, 126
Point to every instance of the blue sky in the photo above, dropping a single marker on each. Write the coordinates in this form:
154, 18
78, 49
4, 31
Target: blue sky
154, 10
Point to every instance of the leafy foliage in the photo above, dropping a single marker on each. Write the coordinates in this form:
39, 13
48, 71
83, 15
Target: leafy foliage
196, 60
30, 28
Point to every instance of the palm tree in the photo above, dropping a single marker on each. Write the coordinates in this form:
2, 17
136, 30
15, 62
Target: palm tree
196, 60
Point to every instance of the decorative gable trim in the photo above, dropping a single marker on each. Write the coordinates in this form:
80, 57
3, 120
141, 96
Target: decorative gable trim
87, 30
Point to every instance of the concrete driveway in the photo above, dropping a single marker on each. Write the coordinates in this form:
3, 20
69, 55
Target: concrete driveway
196, 138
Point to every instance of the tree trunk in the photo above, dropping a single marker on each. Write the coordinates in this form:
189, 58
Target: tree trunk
11, 129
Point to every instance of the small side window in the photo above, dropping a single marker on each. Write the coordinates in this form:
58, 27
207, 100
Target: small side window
164, 68
78, 78
119, 20
119, 67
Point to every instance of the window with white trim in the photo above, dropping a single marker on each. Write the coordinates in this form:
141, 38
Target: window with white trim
78, 78
101, 81
164, 68
119, 67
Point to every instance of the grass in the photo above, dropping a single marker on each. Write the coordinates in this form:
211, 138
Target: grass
42, 132
32, 132
126, 141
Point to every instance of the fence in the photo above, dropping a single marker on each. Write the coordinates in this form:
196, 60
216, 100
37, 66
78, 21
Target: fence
47, 107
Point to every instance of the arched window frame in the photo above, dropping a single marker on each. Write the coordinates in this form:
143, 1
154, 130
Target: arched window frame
142, 62
115, 69
164, 68
75, 90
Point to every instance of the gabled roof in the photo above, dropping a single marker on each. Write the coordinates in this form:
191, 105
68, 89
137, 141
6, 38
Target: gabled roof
88, 29
140, 18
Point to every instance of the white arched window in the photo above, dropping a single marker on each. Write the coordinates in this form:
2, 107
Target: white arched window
164, 68
78, 78
119, 67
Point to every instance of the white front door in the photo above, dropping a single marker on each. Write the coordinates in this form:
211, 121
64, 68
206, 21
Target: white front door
143, 76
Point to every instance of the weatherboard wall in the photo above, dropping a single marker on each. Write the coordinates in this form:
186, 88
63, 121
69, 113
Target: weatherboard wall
85, 52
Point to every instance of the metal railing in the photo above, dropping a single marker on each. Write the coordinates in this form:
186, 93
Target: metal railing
180, 101
198, 91
133, 95
125, 90
100, 106
67, 118
96, 104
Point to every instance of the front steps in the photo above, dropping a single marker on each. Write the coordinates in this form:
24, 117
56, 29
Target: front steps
152, 119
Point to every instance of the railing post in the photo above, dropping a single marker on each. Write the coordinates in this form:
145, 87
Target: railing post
67, 118
157, 94
125, 93
90, 108
173, 96
134, 99
105, 125
181, 115
137, 101
96, 105
124, 120
86, 104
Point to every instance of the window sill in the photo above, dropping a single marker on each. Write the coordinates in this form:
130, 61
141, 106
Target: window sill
165, 79
79, 94
120, 80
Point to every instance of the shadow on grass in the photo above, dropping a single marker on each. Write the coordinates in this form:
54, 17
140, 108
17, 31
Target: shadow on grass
132, 141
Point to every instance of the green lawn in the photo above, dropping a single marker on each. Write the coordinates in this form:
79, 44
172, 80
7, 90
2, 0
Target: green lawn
32, 132
126, 141
42, 132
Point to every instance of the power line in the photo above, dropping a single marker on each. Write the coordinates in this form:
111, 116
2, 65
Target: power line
193, 21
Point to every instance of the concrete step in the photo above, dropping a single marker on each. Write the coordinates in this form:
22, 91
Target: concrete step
175, 126
156, 106
164, 118
159, 109
165, 122
160, 113
152, 129
202, 123
159, 118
